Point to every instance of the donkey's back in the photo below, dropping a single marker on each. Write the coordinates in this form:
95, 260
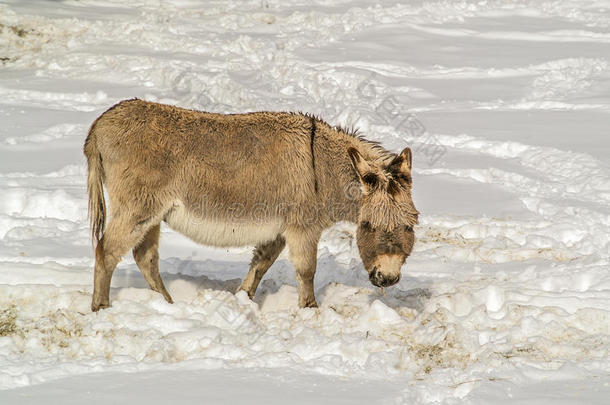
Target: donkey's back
167, 146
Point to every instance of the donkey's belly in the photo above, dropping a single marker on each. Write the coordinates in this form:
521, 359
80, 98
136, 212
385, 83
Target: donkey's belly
218, 233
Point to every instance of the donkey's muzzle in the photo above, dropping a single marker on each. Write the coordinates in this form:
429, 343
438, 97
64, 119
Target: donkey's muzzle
380, 280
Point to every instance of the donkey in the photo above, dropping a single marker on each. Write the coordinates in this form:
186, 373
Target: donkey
263, 179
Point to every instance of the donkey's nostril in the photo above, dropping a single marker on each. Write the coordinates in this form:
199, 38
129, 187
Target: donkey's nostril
374, 276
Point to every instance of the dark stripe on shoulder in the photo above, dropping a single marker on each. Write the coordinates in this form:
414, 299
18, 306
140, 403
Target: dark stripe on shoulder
313, 159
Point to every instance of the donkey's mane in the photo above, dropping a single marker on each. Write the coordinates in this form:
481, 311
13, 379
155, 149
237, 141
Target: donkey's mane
353, 132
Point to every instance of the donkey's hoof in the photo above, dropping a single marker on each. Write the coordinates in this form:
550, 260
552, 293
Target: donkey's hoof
309, 304
166, 295
250, 293
97, 307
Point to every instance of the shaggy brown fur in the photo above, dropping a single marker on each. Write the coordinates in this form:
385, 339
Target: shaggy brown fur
265, 179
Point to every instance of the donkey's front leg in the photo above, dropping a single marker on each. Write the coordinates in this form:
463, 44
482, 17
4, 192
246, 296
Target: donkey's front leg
303, 248
264, 256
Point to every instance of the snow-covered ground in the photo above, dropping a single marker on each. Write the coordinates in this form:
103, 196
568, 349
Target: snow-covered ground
506, 298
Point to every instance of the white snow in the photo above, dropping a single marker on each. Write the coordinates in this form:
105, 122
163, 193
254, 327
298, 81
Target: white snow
506, 297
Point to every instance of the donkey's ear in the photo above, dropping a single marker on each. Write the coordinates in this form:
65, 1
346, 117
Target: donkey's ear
405, 160
362, 167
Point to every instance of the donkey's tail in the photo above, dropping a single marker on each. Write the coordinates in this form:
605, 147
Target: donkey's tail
97, 205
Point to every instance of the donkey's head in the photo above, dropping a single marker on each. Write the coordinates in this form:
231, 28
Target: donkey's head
386, 216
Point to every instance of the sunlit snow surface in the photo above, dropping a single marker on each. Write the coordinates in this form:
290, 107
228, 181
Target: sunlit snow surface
506, 297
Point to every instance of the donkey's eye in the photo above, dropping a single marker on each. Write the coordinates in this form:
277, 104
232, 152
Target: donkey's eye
370, 179
366, 225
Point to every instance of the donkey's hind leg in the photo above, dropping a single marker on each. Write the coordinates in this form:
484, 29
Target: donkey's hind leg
122, 234
146, 255
264, 256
